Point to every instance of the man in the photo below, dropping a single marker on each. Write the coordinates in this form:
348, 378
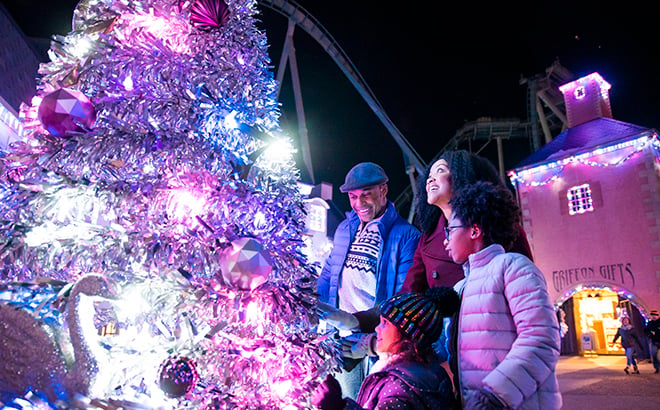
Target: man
373, 249
652, 330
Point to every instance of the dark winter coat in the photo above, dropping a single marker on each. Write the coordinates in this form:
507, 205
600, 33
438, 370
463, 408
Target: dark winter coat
652, 330
405, 385
627, 334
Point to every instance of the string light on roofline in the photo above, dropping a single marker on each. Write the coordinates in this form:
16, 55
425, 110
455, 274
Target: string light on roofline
622, 292
639, 144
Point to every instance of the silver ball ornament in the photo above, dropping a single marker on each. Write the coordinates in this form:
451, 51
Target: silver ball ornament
246, 264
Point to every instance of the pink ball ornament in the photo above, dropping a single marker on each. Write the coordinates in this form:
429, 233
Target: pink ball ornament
246, 264
64, 111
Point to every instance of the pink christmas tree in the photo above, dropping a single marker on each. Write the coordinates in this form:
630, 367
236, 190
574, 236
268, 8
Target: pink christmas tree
151, 224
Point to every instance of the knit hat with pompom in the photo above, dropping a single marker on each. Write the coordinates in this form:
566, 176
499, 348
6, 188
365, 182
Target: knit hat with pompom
420, 315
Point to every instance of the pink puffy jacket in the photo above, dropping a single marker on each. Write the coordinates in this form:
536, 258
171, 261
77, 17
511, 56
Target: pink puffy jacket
508, 338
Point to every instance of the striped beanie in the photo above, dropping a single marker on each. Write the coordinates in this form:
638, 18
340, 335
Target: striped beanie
420, 315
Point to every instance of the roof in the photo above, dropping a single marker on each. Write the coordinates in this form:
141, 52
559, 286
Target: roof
600, 132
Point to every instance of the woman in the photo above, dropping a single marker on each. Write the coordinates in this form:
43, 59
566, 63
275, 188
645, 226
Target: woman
628, 339
408, 374
448, 171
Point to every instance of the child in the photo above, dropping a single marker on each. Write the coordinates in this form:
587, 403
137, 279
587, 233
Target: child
408, 374
507, 335
627, 334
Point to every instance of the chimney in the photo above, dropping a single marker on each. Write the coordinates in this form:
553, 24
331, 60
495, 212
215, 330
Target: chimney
586, 98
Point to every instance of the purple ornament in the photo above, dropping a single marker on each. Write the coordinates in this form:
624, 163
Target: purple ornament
64, 111
177, 376
246, 264
209, 13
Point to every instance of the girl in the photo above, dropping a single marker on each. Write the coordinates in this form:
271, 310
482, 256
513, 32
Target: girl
408, 374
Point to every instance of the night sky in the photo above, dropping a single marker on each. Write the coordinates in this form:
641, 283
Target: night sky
434, 70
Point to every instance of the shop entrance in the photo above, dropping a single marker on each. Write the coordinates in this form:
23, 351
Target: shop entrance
596, 316
592, 317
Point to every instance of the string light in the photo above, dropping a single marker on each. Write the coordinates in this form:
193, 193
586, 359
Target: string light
622, 292
527, 176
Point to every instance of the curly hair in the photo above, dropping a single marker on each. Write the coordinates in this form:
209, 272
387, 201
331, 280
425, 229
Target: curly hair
491, 207
464, 168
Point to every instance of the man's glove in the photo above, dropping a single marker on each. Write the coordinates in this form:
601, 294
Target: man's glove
359, 345
484, 399
339, 319
368, 319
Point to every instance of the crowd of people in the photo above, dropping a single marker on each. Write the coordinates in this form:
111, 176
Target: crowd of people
447, 313
495, 347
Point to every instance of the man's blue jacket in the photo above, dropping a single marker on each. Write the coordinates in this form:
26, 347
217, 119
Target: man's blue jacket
400, 240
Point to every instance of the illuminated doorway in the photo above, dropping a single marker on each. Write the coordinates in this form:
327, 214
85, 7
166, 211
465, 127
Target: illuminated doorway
596, 314
590, 317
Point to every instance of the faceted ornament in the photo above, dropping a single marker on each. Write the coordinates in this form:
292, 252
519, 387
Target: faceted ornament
65, 111
246, 264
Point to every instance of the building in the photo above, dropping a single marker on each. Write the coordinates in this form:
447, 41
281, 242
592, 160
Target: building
590, 200
322, 219
19, 62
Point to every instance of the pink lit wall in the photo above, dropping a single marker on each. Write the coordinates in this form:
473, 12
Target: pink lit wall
586, 98
617, 245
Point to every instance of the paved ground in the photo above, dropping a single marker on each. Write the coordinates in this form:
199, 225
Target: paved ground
599, 383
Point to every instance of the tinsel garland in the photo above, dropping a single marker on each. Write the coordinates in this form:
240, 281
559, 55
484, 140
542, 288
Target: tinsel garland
179, 163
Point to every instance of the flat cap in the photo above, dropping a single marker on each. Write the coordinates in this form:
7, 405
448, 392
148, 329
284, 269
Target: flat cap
364, 175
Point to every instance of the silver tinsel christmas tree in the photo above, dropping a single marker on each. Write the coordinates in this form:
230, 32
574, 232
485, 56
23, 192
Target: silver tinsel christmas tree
151, 224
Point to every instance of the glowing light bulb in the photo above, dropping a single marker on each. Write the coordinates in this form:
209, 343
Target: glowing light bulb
184, 205
282, 388
278, 151
260, 219
172, 33
82, 47
230, 122
128, 83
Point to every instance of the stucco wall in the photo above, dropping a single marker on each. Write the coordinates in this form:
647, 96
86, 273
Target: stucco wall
616, 245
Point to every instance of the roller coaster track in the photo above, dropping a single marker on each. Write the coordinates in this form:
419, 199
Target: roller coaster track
540, 100
299, 17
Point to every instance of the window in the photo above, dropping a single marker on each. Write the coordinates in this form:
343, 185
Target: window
579, 199
317, 218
